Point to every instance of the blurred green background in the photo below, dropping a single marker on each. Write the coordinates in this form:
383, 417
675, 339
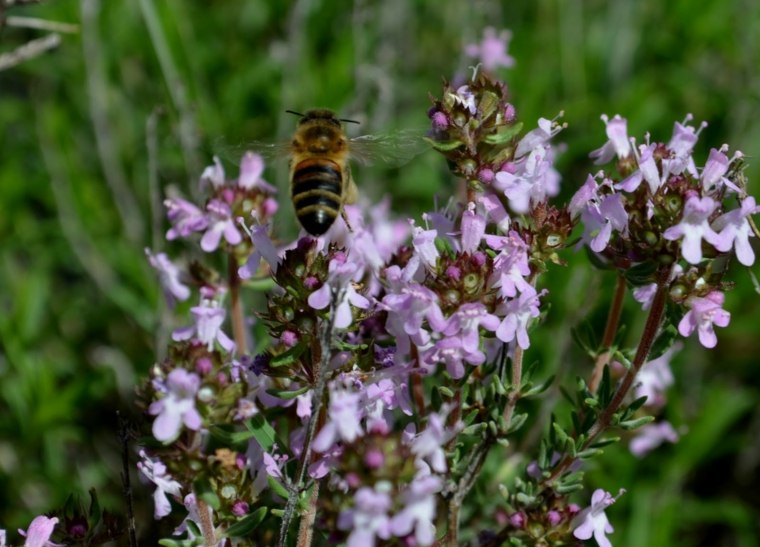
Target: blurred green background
96, 132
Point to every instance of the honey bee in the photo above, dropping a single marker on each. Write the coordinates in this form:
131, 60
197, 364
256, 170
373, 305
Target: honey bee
320, 175
319, 155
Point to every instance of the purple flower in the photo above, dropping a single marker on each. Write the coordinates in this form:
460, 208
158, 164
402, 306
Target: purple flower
533, 181
369, 516
185, 218
39, 532
214, 174
207, 329
339, 281
694, 227
601, 220
168, 277
684, 137
424, 245
263, 248
155, 471
586, 194
735, 231
221, 224
407, 310
452, 353
650, 437
593, 522
344, 419
495, 210
537, 138
473, 228
177, 407
617, 143
419, 510
251, 168
492, 50
428, 446
517, 313
465, 322
704, 313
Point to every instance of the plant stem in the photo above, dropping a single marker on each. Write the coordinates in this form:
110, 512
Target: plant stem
236, 306
610, 329
306, 526
207, 527
318, 392
647, 339
651, 328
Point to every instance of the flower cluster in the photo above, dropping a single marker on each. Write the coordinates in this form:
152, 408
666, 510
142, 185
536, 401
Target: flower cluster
663, 215
371, 371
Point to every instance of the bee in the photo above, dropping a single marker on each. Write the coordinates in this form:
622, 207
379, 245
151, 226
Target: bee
320, 153
320, 175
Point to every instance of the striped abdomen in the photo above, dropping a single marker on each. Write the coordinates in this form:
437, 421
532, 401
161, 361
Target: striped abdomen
316, 190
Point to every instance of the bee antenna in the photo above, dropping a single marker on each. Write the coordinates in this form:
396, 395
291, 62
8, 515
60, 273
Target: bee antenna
294, 112
349, 121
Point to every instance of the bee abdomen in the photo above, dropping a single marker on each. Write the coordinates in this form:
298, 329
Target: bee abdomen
316, 192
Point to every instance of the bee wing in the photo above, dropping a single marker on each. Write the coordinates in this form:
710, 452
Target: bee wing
392, 149
234, 152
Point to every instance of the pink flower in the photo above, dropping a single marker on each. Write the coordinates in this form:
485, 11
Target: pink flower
39, 532
169, 277
617, 143
221, 224
492, 50
418, 513
694, 227
650, 437
704, 313
213, 174
339, 282
185, 218
156, 472
593, 522
177, 407
251, 168
518, 312
735, 231
207, 329
344, 419
263, 248
369, 516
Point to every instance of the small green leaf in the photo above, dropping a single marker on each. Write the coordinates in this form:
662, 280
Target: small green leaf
474, 429
287, 395
277, 487
263, 432
538, 389
443, 146
504, 134
518, 420
636, 423
288, 357
244, 527
446, 392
